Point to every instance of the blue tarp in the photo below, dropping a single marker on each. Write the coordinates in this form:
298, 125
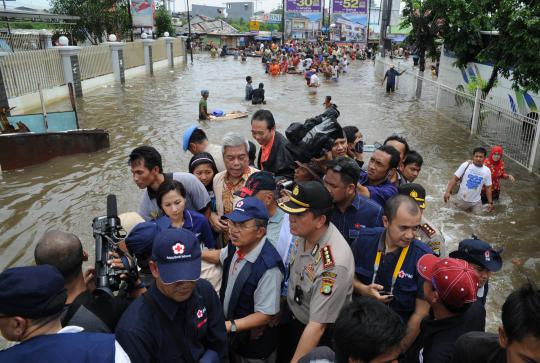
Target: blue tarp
56, 121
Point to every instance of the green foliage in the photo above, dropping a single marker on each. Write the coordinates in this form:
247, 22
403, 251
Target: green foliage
96, 18
513, 52
164, 21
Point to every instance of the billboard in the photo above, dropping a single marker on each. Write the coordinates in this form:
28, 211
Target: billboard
303, 6
349, 6
142, 13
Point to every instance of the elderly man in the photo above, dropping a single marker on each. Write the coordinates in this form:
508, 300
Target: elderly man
273, 156
237, 170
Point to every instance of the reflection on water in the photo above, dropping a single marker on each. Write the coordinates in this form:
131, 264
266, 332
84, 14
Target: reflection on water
66, 193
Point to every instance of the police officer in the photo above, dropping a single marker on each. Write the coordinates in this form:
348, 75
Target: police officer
320, 270
427, 233
483, 258
31, 304
385, 263
180, 318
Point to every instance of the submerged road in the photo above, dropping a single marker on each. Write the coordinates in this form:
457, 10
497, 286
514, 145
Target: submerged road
67, 193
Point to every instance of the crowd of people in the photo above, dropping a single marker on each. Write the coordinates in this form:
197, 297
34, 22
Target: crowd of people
295, 253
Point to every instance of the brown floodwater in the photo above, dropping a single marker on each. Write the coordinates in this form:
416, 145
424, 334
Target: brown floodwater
68, 192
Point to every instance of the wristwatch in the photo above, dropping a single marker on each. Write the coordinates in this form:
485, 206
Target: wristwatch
233, 326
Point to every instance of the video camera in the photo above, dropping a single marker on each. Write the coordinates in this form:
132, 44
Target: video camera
108, 233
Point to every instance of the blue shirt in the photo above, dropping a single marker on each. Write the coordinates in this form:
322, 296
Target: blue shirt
391, 76
378, 193
409, 284
194, 222
144, 337
362, 213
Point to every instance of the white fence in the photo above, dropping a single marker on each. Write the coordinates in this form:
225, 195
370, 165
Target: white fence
484, 115
22, 71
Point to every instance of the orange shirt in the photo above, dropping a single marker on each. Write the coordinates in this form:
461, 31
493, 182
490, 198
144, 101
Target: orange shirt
274, 69
265, 150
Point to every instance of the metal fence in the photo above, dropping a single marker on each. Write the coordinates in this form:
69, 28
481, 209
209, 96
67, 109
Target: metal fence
484, 115
23, 71
133, 55
178, 47
20, 42
95, 61
158, 50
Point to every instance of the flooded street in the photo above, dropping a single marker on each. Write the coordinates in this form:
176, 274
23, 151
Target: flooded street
67, 193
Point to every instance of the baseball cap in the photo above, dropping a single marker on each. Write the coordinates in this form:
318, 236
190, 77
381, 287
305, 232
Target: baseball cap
261, 180
415, 191
187, 135
246, 209
480, 253
346, 166
177, 253
141, 238
455, 280
307, 195
32, 292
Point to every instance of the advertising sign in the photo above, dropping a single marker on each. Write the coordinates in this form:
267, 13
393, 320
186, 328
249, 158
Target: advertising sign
254, 25
349, 6
304, 6
142, 13
274, 19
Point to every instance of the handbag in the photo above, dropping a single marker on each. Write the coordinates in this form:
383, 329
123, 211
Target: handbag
456, 187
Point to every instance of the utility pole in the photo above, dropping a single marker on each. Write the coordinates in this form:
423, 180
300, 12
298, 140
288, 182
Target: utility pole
385, 22
283, 23
190, 47
368, 21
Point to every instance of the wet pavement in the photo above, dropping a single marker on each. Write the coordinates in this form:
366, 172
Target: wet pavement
66, 193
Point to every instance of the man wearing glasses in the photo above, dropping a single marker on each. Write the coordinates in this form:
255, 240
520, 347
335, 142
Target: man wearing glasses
251, 285
385, 263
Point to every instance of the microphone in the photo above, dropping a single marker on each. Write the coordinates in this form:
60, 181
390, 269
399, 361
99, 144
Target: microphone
112, 210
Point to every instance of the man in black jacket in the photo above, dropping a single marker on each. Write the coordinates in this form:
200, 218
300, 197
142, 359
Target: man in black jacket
273, 155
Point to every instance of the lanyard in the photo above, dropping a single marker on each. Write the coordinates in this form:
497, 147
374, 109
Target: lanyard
399, 264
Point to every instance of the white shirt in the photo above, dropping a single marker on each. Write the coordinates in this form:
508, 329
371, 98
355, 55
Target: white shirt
314, 81
120, 355
474, 178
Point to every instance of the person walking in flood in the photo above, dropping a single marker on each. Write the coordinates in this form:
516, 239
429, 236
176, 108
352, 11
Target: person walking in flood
390, 77
203, 105
495, 164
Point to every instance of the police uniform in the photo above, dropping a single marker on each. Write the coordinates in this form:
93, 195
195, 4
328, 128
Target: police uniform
320, 278
395, 271
427, 233
432, 237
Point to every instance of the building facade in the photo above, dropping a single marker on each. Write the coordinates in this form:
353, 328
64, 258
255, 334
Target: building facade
240, 10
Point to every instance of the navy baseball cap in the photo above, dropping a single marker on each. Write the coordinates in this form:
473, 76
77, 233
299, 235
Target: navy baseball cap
261, 180
141, 238
32, 292
246, 209
177, 253
187, 135
480, 253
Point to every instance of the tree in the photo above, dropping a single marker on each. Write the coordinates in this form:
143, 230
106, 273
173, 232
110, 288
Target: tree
97, 18
163, 21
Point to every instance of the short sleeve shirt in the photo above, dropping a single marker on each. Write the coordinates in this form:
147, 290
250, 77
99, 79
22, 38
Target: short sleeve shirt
324, 275
197, 197
474, 178
267, 294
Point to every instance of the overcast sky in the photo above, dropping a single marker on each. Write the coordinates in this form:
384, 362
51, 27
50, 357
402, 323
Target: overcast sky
266, 5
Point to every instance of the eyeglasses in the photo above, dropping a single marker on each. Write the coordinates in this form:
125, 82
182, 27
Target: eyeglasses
241, 226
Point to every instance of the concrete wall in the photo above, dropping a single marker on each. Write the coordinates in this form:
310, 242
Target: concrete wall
240, 10
211, 11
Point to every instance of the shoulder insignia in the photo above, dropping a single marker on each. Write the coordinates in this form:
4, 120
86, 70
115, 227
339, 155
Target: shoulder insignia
329, 274
430, 231
327, 258
326, 287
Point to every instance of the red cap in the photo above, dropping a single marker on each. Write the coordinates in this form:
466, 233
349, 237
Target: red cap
455, 280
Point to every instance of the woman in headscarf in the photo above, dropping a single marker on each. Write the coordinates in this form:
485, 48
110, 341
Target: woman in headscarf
495, 163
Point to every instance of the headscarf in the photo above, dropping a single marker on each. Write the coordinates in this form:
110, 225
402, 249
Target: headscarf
494, 149
496, 167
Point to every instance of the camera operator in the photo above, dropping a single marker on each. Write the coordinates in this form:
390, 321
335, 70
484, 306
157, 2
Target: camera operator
94, 313
355, 144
